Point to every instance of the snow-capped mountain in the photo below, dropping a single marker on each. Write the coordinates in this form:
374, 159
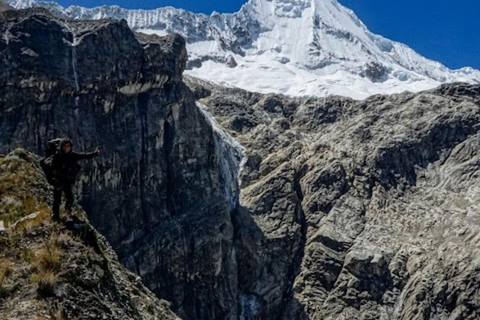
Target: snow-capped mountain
295, 47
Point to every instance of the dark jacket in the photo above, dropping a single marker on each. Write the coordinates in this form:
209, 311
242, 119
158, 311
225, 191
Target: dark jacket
65, 166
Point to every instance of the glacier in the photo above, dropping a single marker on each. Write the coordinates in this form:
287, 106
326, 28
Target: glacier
293, 47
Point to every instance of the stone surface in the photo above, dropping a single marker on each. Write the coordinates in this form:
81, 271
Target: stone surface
4, 6
371, 207
99, 84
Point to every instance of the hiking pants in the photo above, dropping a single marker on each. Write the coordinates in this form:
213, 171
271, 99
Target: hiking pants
57, 198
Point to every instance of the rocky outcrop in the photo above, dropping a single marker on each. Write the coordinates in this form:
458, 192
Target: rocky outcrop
161, 166
365, 209
66, 270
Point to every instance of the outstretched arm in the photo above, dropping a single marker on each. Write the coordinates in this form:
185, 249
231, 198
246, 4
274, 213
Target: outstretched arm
81, 155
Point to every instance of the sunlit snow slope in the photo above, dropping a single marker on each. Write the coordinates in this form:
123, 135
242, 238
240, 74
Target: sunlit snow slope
295, 47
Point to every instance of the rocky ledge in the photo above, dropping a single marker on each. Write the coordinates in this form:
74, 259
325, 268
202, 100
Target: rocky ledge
65, 270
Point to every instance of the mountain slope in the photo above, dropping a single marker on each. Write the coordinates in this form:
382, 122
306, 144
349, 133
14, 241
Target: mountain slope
65, 270
164, 188
372, 206
296, 47
237, 205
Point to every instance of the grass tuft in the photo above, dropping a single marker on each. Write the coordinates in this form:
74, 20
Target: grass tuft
63, 240
57, 315
45, 280
47, 262
6, 269
29, 224
48, 259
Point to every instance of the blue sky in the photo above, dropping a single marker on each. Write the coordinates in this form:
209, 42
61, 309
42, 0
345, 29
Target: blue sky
444, 30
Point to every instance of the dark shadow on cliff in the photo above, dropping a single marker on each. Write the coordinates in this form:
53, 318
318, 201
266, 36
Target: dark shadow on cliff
211, 263
265, 266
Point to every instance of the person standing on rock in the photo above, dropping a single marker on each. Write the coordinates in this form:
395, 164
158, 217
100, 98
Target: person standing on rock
65, 168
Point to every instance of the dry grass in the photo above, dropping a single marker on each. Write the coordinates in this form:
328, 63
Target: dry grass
6, 269
57, 315
27, 255
63, 240
47, 262
48, 259
28, 225
45, 280
14, 207
23, 192
18, 174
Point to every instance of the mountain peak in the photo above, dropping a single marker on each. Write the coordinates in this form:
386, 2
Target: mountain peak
283, 8
296, 47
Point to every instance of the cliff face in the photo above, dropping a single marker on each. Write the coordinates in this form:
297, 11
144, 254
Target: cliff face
102, 85
366, 209
318, 209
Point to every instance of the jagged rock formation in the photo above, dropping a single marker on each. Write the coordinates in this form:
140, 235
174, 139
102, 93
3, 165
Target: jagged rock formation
60, 271
347, 209
366, 210
259, 48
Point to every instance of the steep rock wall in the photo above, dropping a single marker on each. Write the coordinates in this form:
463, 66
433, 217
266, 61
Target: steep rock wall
368, 208
157, 191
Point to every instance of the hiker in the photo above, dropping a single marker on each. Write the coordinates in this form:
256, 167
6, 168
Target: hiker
64, 169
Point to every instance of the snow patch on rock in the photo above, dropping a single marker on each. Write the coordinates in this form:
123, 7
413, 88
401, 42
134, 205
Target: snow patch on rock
232, 158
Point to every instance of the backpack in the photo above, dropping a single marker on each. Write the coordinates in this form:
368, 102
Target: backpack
52, 147
70, 172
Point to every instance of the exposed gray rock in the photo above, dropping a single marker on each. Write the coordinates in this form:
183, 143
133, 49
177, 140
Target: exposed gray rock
375, 72
4, 6
158, 190
230, 61
370, 206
